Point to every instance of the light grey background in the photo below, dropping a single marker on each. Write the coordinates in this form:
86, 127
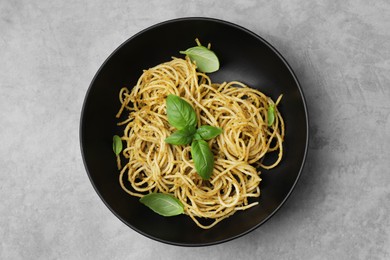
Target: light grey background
49, 53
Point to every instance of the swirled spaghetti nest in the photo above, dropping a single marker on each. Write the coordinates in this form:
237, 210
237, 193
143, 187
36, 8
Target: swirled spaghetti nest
155, 166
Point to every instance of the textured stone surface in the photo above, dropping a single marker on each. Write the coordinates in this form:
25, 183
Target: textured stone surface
50, 50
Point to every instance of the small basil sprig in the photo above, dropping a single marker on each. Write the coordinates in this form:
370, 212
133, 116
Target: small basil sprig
163, 204
182, 116
117, 144
271, 114
205, 59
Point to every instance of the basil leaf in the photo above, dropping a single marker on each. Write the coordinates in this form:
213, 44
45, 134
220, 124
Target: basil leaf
181, 137
203, 158
117, 144
208, 132
197, 137
180, 113
163, 204
271, 114
205, 59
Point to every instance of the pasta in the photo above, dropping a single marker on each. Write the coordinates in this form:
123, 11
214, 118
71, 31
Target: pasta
155, 166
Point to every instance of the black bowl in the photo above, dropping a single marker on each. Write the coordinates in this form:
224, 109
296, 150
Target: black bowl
244, 56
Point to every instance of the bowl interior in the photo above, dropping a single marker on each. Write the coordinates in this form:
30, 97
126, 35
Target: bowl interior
244, 57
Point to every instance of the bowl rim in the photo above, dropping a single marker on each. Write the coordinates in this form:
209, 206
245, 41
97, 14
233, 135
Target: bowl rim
207, 19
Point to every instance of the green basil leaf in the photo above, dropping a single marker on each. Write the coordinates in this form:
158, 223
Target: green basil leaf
271, 114
117, 144
180, 113
205, 59
163, 204
208, 132
181, 137
197, 137
203, 158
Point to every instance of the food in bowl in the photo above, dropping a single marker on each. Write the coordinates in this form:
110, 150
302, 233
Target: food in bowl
192, 146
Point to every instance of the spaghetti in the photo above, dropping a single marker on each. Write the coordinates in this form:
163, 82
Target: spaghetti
155, 166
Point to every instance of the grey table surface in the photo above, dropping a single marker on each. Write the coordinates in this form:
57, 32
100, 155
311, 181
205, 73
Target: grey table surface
50, 51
